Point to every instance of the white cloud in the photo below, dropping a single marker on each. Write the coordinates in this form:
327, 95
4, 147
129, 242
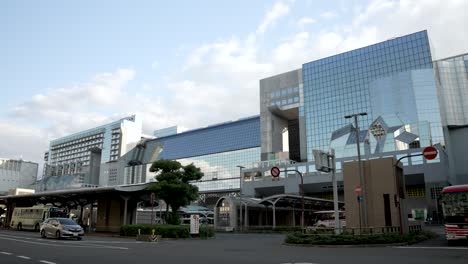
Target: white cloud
328, 15
305, 21
219, 80
279, 10
23, 141
155, 65
391, 19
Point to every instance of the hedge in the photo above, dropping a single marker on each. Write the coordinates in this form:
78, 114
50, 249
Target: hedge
411, 238
165, 231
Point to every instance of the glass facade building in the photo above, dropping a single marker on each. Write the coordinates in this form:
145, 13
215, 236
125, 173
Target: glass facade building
216, 149
341, 85
452, 81
452, 77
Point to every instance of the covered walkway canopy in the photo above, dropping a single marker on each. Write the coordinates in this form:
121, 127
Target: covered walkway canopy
291, 200
239, 213
116, 205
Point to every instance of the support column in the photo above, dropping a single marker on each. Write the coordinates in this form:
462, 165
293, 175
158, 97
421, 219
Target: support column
274, 216
126, 198
90, 228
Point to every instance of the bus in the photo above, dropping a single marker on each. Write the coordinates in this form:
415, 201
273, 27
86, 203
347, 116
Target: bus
327, 219
31, 217
454, 201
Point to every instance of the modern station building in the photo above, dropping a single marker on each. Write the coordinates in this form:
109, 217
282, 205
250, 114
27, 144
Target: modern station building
220, 151
410, 102
83, 159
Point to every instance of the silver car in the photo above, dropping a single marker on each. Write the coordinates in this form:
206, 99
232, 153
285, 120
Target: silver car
60, 228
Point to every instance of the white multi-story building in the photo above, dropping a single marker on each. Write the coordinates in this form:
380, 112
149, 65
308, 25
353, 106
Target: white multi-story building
83, 159
17, 174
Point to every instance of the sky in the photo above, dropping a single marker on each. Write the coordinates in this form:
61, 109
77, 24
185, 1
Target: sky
66, 66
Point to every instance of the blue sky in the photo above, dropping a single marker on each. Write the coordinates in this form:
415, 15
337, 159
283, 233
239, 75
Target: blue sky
67, 66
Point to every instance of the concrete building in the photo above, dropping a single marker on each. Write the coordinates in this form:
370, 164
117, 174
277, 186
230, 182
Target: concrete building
17, 174
84, 159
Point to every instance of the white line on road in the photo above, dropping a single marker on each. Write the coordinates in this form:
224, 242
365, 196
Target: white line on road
5, 253
81, 245
46, 262
456, 248
300, 263
23, 257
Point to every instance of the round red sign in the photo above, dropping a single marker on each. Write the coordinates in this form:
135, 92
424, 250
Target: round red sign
275, 171
358, 190
430, 153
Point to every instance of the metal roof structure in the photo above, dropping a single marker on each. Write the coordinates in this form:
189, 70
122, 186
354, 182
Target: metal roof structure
291, 200
76, 196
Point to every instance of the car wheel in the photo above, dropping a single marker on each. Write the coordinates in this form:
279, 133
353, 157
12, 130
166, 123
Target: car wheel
19, 227
36, 228
43, 234
57, 235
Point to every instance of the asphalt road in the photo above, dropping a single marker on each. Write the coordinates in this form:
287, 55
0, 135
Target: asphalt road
28, 248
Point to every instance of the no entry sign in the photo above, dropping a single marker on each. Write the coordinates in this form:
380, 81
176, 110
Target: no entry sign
430, 153
275, 171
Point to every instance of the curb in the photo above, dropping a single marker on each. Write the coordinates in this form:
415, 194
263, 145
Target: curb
347, 246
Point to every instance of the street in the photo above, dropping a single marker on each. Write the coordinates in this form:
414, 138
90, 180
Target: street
28, 247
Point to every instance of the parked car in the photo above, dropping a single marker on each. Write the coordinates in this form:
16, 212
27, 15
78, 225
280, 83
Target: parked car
61, 228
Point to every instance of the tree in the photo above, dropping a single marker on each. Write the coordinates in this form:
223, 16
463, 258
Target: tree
173, 185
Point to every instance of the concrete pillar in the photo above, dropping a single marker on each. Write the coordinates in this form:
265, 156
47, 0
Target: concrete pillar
126, 198
246, 219
294, 216
90, 218
274, 215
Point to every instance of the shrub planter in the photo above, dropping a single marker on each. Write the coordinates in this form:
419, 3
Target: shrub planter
360, 240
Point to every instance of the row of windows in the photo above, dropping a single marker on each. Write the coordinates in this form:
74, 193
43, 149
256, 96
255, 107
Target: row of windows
286, 101
222, 166
77, 141
284, 92
418, 38
369, 63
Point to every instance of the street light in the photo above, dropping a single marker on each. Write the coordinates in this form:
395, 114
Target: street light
240, 193
361, 176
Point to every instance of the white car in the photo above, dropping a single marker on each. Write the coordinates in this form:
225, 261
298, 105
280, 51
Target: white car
61, 228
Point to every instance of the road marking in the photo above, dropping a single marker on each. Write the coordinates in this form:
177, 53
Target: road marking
5, 253
63, 244
456, 248
46, 262
23, 257
300, 263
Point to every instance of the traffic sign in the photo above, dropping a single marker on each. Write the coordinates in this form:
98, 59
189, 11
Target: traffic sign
430, 153
275, 171
358, 190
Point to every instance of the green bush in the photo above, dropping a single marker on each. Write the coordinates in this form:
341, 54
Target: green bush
282, 229
165, 231
411, 238
206, 231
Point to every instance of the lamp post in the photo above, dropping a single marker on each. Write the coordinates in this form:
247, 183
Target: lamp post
302, 194
240, 193
361, 176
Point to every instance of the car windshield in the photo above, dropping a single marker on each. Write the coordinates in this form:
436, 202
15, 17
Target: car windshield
65, 221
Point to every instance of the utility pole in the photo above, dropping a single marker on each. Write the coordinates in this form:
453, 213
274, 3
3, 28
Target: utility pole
361, 176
